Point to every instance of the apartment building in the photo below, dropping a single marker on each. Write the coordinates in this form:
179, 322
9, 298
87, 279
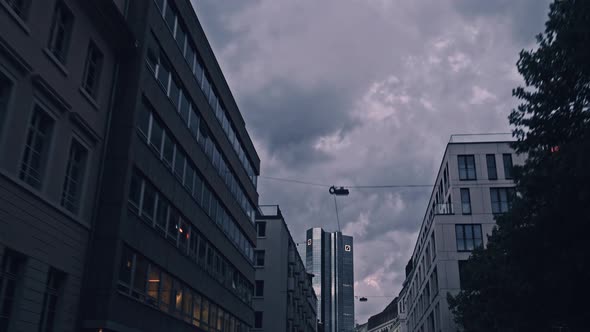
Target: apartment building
58, 66
173, 244
284, 299
329, 257
474, 183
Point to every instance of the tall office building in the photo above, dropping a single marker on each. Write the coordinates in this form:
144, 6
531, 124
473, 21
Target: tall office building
58, 64
284, 299
474, 183
329, 257
173, 244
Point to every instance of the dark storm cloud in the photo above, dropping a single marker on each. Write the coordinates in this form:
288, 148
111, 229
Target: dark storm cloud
357, 92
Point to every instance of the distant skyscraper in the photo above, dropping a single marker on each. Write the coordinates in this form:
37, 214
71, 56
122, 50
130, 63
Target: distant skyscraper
329, 258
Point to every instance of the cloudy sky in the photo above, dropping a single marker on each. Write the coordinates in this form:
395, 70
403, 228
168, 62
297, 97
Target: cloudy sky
362, 92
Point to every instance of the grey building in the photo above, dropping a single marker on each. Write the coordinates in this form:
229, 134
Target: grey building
172, 246
474, 183
58, 64
329, 257
387, 320
284, 299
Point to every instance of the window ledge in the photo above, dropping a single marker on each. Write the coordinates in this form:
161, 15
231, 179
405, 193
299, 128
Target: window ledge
56, 62
89, 98
16, 18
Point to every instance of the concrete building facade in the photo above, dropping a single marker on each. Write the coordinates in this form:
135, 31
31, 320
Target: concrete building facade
284, 299
329, 257
173, 245
473, 184
387, 320
59, 61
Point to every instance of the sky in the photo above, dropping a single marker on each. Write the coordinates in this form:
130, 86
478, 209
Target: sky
366, 92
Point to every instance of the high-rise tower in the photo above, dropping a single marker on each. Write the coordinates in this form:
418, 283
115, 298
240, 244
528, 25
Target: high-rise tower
329, 257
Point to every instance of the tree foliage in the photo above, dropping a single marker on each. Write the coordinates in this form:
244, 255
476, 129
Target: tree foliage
534, 273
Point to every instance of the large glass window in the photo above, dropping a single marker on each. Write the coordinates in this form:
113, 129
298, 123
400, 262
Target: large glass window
74, 179
61, 30
491, 164
468, 236
507, 159
465, 201
466, 167
36, 148
501, 199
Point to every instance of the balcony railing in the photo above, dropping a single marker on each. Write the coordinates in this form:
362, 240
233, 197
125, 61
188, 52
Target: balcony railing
443, 209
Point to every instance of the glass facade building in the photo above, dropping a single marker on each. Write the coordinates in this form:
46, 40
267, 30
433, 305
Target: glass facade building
329, 257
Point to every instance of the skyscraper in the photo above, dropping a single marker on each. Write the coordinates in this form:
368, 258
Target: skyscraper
329, 257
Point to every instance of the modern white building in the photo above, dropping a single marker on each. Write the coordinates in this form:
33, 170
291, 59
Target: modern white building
284, 298
473, 184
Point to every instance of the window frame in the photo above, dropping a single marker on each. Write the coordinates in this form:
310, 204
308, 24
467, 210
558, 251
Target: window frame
508, 166
94, 90
81, 181
489, 159
465, 164
465, 201
61, 55
464, 239
45, 155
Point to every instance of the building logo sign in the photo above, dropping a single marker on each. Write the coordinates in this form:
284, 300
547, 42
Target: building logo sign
309, 242
347, 247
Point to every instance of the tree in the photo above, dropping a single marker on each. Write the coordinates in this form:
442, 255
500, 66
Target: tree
534, 273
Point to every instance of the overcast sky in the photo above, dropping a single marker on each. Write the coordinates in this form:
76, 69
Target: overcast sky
358, 92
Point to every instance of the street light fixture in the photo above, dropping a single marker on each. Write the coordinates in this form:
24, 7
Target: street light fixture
338, 191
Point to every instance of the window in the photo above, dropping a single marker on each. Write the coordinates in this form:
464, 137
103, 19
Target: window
10, 276
465, 201
36, 148
20, 7
170, 16
466, 167
491, 164
261, 229
259, 288
75, 170
61, 29
468, 236
5, 91
258, 319
53, 287
92, 70
259, 257
463, 277
507, 159
501, 199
